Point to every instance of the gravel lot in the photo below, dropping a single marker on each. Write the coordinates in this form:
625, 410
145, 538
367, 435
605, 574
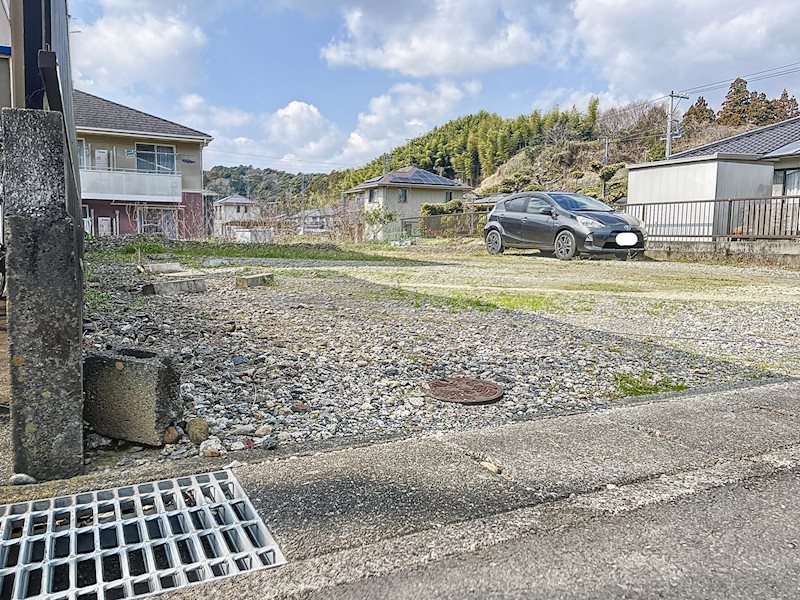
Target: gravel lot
341, 351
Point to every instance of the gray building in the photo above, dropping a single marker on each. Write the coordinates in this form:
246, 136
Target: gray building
701, 192
404, 191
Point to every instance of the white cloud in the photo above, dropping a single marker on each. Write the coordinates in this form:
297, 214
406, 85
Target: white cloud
303, 128
406, 111
646, 48
136, 42
441, 38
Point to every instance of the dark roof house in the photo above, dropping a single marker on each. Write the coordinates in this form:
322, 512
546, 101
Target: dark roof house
409, 177
772, 141
93, 113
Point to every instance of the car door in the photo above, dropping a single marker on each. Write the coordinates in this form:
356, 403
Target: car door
511, 218
538, 228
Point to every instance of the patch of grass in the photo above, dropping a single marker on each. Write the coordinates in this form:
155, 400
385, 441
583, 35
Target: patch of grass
529, 302
290, 251
144, 248
644, 384
462, 302
598, 286
310, 273
96, 301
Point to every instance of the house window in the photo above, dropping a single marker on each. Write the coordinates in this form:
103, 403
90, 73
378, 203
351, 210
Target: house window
159, 221
155, 159
448, 196
373, 195
81, 154
245, 209
403, 196
786, 182
238, 208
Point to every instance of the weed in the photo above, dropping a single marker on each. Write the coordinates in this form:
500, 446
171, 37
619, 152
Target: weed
96, 301
529, 302
644, 384
144, 248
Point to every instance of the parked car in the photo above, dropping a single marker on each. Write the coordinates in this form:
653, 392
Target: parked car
562, 224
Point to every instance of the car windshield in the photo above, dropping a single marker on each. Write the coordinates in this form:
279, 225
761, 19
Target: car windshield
578, 202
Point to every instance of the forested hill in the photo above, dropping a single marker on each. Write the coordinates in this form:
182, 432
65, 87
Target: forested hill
557, 149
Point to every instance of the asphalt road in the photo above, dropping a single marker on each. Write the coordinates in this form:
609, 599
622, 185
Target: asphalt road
739, 541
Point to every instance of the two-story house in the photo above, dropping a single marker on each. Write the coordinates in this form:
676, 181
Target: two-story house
233, 213
139, 173
404, 191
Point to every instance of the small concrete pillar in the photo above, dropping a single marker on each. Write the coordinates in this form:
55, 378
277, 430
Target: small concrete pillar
131, 394
45, 298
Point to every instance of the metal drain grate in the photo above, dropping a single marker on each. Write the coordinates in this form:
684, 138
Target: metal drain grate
132, 541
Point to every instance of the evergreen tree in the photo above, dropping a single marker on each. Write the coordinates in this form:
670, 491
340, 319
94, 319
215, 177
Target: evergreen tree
760, 110
735, 108
698, 114
785, 107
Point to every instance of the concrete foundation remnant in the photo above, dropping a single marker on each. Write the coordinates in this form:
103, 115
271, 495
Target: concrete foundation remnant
170, 267
45, 296
131, 394
181, 286
255, 280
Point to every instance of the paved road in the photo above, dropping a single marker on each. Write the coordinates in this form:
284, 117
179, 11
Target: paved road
740, 541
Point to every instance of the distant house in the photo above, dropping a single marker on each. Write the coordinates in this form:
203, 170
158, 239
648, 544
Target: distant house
139, 173
235, 213
405, 191
758, 164
315, 221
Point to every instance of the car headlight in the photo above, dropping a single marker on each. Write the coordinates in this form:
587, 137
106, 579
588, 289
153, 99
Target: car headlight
590, 224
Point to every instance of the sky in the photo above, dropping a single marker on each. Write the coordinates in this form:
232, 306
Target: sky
310, 85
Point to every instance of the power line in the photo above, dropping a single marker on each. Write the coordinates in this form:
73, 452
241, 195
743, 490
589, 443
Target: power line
747, 76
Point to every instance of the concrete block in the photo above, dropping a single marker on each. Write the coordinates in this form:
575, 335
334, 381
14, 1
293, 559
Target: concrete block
182, 286
131, 394
45, 294
255, 280
162, 268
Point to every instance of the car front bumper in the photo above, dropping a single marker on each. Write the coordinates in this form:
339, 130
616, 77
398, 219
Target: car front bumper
605, 240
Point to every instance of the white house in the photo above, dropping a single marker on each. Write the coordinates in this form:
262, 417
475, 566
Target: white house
405, 191
235, 217
721, 189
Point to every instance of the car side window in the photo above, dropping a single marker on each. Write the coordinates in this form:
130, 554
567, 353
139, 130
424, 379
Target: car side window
536, 204
516, 204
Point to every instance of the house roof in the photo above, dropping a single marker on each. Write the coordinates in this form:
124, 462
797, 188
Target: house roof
410, 176
234, 199
93, 112
764, 142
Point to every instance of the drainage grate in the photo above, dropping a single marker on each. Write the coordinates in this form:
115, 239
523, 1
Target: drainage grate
132, 541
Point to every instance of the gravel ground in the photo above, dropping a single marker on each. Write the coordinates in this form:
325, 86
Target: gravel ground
334, 352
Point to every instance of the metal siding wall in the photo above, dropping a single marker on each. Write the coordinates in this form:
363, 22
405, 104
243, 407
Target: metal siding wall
673, 183
742, 180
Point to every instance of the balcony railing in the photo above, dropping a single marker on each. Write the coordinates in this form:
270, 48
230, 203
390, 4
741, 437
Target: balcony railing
130, 186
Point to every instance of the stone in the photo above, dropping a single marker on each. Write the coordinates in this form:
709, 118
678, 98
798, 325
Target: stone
197, 430
300, 407
172, 435
265, 279
172, 267
131, 394
263, 431
179, 286
212, 448
284, 436
236, 446
21, 479
44, 238
491, 467
269, 443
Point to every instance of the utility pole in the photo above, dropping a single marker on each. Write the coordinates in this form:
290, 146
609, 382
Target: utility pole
605, 162
672, 96
303, 204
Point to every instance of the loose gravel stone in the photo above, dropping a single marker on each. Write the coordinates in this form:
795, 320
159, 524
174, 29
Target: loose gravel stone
339, 355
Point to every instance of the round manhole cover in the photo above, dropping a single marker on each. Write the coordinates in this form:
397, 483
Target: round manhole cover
465, 390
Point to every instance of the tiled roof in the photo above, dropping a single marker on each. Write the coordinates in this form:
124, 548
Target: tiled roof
235, 199
93, 112
411, 176
761, 142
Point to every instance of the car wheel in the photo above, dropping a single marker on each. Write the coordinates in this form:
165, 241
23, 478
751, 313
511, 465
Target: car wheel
623, 256
494, 242
565, 245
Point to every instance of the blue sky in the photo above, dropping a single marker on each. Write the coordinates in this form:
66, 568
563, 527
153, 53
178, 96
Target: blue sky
313, 85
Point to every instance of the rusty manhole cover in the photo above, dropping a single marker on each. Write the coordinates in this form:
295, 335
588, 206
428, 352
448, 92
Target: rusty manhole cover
465, 390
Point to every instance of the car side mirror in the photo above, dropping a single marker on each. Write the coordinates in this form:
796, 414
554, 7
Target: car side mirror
546, 211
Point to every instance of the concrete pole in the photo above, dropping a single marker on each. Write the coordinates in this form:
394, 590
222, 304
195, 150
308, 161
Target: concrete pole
669, 124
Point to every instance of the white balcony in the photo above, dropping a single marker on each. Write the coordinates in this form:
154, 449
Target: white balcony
130, 186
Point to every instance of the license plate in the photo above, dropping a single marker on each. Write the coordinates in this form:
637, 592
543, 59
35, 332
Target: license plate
627, 239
